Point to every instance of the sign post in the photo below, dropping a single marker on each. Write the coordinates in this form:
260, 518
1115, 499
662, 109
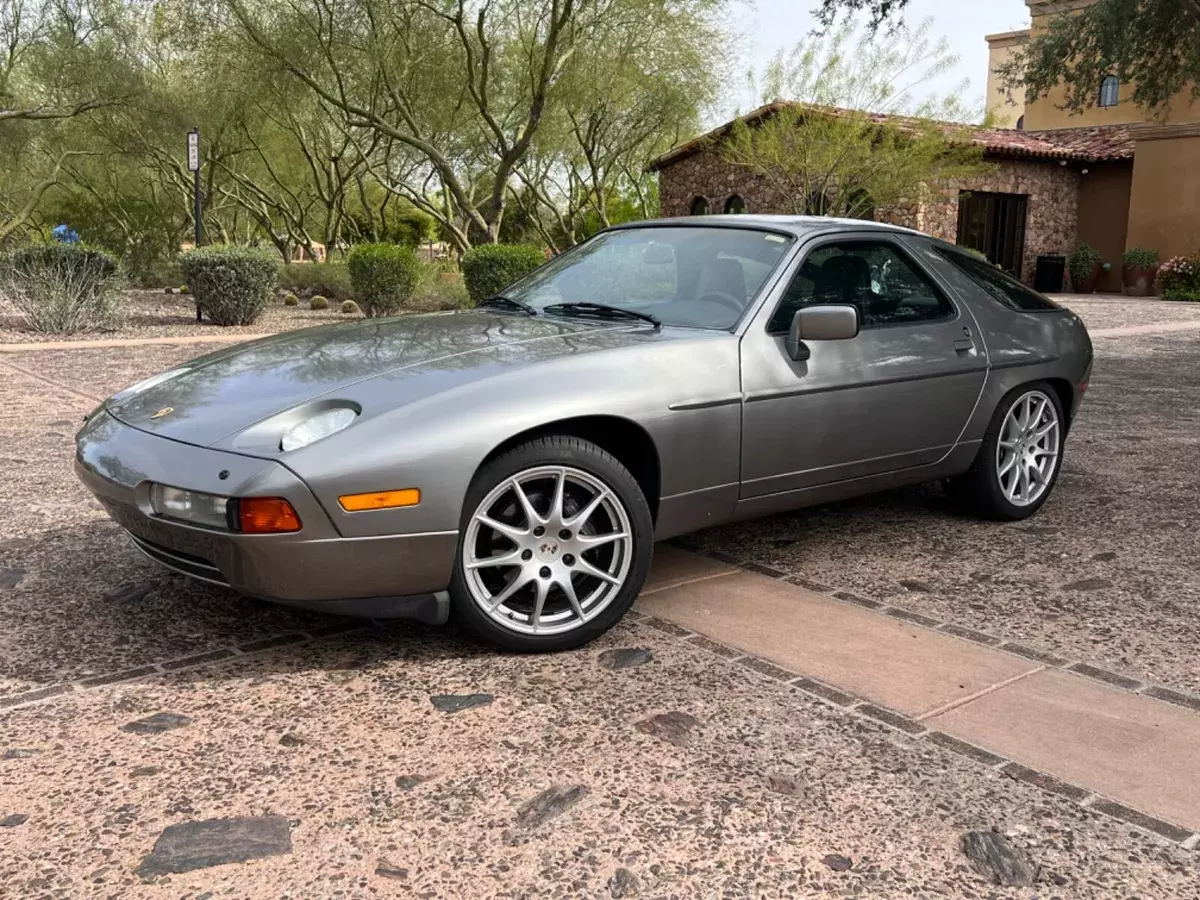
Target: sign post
193, 161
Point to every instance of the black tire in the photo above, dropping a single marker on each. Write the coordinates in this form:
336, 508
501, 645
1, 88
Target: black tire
555, 450
978, 491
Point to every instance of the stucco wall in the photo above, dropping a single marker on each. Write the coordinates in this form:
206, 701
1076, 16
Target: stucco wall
1104, 215
1006, 110
1164, 201
1050, 225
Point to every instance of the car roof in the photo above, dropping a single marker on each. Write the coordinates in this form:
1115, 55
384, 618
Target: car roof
800, 226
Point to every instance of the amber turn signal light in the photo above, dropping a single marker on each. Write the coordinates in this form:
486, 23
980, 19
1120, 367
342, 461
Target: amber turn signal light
380, 500
266, 515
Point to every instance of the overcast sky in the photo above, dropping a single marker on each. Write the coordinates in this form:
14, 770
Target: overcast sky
771, 25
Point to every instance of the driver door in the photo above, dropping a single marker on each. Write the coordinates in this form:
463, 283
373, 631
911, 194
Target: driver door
897, 396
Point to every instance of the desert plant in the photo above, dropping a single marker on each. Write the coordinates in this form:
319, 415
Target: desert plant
330, 280
290, 299
1179, 278
383, 277
62, 288
231, 284
318, 302
489, 269
349, 307
1139, 258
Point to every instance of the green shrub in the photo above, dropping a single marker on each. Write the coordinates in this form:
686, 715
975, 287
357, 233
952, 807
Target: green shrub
331, 280
290, 299
1083, 260
318, 302
349, 307
440, 287
1139, 258
63, 288
232, 284
1179, 278
489, 269
383, 277
183, 289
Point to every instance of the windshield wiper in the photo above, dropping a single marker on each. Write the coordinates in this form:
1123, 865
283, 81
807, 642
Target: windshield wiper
501, 302
604, 309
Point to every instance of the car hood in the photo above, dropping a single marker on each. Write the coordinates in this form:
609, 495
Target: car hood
217, 395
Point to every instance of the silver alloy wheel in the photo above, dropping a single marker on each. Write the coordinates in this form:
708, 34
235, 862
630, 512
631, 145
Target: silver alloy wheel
547, 550
1028, 449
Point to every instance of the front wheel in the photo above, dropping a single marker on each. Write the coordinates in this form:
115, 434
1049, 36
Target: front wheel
555, 543
1019, 460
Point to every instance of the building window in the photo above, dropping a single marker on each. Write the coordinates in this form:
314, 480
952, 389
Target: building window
1021, 124
699, 206
1110, 90
735, 205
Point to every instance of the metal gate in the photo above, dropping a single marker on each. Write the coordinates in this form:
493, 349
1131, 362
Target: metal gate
994, 224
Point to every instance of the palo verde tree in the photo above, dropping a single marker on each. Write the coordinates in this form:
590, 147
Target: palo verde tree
1152, 44
847, 130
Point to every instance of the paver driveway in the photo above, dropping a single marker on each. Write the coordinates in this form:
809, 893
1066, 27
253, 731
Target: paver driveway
683, 773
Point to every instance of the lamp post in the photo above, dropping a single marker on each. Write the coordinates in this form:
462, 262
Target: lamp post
193, 161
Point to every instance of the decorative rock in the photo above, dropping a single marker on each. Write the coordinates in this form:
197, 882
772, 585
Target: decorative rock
10, 578
837, 862
215, 842
788, 785
1088, 584
623, 884
919, 587
157, 723
1106, 556
993, 858
290, 740
624, 658
14, 820
672, 727
145, 771
20, 753
408, 782
549, 804
387, 870
452, 703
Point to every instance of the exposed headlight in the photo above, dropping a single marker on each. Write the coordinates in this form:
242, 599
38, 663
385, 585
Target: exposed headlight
197, 508
143, 386
322, 425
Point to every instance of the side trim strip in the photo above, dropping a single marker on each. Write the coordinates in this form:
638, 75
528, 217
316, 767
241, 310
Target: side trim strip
1026, 362
705, 404
782, 393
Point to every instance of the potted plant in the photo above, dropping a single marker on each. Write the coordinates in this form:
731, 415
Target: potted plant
1086, 266
1139, 266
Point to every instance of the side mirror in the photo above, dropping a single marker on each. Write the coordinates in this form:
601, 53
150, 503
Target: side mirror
830, 322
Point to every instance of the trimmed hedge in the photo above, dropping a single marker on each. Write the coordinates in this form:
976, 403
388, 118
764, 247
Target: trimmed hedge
232, 284
489, 269
329, 279
383, 277
63, 288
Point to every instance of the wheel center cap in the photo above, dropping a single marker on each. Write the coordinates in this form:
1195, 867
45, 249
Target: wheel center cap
547, 550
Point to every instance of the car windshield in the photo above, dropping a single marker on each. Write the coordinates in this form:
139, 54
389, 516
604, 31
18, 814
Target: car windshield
698, 277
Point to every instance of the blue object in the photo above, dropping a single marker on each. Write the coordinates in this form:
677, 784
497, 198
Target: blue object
65, 234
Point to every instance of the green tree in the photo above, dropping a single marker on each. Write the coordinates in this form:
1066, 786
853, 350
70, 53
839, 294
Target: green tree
854, 134
1152, 44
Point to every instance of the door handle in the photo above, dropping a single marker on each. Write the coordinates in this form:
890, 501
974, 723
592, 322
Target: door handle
964, 346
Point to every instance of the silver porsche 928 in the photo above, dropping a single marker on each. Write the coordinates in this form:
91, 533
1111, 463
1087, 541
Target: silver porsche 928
514, 464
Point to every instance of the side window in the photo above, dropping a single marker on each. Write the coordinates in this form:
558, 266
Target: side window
997, 284
886, 288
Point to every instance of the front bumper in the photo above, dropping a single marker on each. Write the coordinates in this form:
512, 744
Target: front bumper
403, 575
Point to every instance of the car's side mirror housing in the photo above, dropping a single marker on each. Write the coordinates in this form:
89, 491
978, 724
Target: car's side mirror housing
828, 322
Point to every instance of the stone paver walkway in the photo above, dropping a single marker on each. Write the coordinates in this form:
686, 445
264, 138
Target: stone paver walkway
1108, 743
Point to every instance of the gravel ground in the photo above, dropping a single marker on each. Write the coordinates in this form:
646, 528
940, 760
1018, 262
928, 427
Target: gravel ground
767, 793
1119, 312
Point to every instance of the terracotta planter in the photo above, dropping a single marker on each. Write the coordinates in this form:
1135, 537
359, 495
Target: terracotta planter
1139, 280
1087, 284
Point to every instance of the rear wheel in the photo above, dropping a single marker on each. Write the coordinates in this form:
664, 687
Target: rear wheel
555, 543
1019, 461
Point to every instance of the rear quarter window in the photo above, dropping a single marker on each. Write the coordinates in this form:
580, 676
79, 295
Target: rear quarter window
997, 284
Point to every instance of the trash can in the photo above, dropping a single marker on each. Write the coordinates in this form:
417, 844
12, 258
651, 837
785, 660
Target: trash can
1048, 274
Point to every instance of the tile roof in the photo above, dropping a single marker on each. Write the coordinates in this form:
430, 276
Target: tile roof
1089, 144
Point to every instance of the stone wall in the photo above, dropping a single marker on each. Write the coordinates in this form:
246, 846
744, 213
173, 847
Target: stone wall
1050, 227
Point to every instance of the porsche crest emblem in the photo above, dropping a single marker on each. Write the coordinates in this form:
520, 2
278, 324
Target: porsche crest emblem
165, 411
